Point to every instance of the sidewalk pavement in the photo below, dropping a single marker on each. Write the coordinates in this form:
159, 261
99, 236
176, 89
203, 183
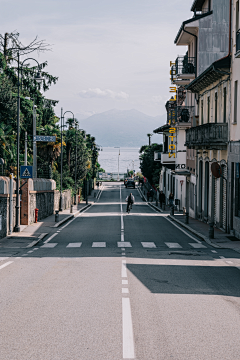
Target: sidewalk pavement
30, 235
199, 228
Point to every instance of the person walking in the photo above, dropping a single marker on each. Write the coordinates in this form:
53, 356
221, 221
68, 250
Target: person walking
161, 198
151, 194
130, 201
170, 199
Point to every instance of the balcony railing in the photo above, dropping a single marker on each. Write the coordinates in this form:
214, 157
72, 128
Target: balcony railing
207, 136
185, 66
238, 41
180, 114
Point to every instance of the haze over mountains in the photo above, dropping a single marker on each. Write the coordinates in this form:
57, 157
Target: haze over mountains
124, 128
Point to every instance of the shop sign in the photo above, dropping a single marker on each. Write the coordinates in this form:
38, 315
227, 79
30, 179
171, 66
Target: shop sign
172, 146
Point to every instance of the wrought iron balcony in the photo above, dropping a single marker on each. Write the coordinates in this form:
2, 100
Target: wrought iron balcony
185, 67
207, 136
237, 44
180, 114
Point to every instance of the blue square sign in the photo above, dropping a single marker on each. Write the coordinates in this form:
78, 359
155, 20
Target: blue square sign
26, 172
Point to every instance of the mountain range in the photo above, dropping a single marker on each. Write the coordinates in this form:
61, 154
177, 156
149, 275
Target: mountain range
123, 128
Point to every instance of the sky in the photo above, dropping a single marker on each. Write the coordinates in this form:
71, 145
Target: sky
108, 54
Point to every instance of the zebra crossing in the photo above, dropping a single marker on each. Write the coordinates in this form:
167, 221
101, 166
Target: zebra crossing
127, 244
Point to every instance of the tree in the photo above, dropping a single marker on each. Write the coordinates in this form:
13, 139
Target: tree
150, 168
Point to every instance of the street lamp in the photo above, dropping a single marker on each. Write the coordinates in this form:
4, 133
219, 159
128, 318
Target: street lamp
117, 147
62, 125
38, 79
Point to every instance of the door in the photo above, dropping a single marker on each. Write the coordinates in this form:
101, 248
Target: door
206, 195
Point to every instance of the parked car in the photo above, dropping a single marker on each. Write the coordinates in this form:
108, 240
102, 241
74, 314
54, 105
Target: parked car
130, 183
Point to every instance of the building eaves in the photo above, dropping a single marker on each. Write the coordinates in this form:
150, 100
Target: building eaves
161, 129
189, 21
213, 73
197, 5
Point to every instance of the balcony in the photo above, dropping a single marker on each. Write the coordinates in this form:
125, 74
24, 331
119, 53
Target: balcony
185, 67
207, 136
237, 55
180, 115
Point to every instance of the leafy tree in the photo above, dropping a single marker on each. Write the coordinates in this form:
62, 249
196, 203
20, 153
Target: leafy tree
150, 168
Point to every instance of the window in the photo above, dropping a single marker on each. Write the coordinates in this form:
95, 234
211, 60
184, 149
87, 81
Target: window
225, 105
235, 101
201, 112
216, 106
208, 109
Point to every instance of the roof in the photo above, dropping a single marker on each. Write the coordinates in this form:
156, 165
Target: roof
197, 5
161, 129
213, 73
189, 21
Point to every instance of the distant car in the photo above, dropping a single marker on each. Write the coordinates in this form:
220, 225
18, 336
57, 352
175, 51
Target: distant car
130, 183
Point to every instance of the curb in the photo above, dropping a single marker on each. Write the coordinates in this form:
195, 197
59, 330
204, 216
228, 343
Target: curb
201, 236
155, 207
71, 216
41, 236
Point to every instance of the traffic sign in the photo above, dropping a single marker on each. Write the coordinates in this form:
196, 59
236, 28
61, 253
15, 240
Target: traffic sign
26, 172
44, 138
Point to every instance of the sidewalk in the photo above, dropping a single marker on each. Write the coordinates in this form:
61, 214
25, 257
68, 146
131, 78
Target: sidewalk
199, 228
30, 235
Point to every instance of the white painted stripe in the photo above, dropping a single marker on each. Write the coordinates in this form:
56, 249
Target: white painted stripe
125, 291
148, 244
197, 246
124, 244
49, 245
74, 245
222, 257
122, 224
229, 262
124, 282
124, 269
99, 244
172, 222
123, 249
29, 252
6, 264
214, 251
122, 236
123, 253
50, 238
128, 342
172, 245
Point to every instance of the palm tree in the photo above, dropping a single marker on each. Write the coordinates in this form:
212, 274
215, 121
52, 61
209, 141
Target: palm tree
149, 138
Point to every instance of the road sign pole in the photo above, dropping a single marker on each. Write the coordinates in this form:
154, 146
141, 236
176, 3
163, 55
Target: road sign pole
34, 144
25, 154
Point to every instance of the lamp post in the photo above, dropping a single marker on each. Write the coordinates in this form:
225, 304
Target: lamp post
117, 147
38, 79
62, 125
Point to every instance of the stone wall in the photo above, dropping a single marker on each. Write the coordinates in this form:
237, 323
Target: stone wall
4, 212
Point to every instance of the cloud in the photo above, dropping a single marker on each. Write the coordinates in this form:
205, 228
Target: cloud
98, 93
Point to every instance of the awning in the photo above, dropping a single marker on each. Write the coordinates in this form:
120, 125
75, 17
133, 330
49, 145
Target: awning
213, 73
161, 129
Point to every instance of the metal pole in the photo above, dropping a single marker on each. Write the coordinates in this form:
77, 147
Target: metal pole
25, 154
11, 204
34, 143
17, 226
61, 159
75, 202
118, 164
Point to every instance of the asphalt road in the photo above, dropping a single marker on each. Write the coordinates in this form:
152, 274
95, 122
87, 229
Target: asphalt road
111, 285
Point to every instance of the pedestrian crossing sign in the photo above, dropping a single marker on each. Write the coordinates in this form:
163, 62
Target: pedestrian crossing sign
26, 172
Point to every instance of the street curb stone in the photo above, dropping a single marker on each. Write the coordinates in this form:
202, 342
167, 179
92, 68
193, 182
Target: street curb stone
201, 236
41, 236
71, 216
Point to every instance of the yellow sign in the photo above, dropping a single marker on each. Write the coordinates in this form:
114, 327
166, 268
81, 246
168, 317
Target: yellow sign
172, 146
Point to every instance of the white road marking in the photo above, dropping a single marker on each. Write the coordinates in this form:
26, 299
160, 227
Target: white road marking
214, 251
36, 249
6, 264
128, 341
99, 244
50, 245
123, 253
222, 257
74, 245
50, 238
172, 222
229, 262
123, 249
124, 269
122, 223
29, 252
124, 282
148, 244
25, 255
124, 244
125, 291
172, 245
197, 246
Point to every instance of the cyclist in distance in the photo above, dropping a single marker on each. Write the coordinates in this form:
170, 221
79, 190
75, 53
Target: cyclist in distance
130, 200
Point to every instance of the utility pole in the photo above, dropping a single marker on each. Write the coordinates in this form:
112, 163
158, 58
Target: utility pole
25, 154
34, 143
61, 159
